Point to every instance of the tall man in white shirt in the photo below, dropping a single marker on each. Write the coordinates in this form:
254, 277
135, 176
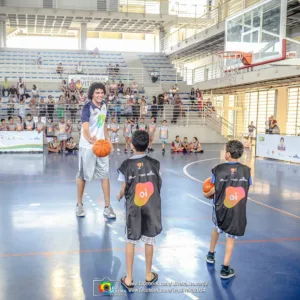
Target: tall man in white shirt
92, 167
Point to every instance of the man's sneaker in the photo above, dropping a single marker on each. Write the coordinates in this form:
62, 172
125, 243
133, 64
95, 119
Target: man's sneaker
109, 212
210, 258
80, 210
226, 272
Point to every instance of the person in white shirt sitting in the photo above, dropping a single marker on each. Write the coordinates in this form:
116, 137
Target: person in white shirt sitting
154, 76
79, 68
39, 60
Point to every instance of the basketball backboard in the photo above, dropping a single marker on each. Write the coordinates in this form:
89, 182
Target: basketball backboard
258, 30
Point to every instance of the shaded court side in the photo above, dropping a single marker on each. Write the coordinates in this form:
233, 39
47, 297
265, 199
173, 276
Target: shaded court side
48, 253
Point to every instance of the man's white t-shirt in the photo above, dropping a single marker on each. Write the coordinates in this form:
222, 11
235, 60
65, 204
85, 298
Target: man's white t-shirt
96, 117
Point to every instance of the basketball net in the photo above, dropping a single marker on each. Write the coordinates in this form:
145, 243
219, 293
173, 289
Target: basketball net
228, 63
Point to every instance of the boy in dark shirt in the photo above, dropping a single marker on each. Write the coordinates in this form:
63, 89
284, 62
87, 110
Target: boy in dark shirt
141, 184
232, 181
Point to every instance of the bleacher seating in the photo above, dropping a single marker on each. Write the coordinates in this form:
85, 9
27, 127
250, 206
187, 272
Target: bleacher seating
22, 63
160, 62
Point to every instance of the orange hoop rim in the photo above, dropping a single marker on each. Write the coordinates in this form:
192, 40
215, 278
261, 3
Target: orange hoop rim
232, 54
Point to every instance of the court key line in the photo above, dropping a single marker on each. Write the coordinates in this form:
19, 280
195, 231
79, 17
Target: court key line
255, 201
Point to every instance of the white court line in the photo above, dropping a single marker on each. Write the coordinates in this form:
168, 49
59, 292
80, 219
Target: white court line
114, 232
155, 269
93, 204
97, 208
191, 296
199, 200
141, 257
257, 202
90, 200
109, 225
195, 162
186, 293
88, 197
34, 204
121, 239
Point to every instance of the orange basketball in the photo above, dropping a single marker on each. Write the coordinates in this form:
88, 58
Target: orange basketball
102, 148
207, 186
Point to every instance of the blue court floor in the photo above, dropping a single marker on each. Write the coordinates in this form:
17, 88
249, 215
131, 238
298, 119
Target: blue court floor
46, 252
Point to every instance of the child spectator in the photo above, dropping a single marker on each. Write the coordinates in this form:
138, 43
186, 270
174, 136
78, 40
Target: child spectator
164, 134
196, 146
71, 146
114, 128
50, 107
251, 129
78, 86
54, 146
232, 181
143, 211
176, 145
22, 108
29, 123
128, 133
152, 129
141, 125
19, 124
3, 125
11, 124
62, 126
69, 129
73, 108
186, 145
49, 130
42, 108
40, 125
118, 109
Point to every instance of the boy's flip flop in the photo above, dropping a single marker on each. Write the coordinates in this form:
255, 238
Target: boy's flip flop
155, 278
127, 287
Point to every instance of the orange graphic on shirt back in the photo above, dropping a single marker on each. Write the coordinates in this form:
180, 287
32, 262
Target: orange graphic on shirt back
143, 192
233, 196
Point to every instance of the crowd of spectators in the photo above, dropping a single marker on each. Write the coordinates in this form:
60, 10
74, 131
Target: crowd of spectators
120, 98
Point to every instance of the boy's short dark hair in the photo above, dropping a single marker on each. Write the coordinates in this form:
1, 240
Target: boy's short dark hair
2, 120
28, 115
140, 140
10, 118
95, 86
177, 136
185, 138
235, 148
165, 121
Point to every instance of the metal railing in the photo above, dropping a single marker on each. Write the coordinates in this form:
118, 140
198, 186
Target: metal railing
142, 76
204, 22
181, 115
127, 6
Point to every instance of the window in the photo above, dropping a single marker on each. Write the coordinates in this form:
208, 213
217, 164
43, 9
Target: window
293, 114
259, 106
218, 101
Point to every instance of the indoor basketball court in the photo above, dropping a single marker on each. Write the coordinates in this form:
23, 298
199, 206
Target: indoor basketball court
195, 76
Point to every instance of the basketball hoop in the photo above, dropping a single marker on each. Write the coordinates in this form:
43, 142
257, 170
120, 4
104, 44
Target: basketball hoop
229, 63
